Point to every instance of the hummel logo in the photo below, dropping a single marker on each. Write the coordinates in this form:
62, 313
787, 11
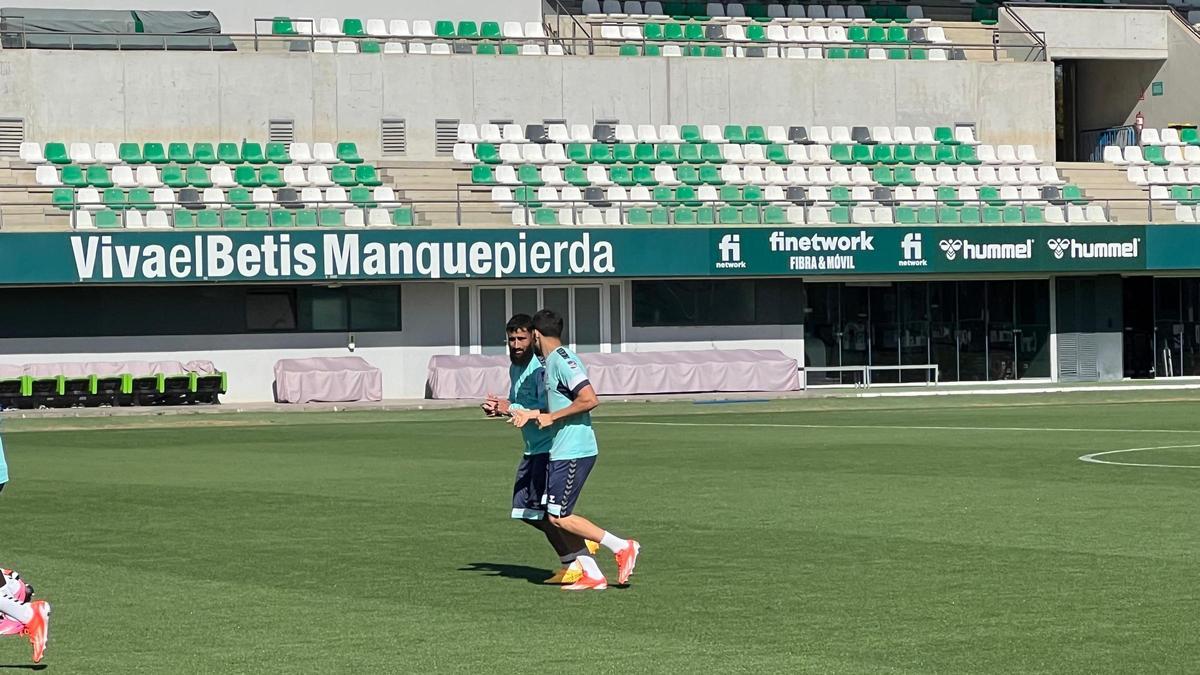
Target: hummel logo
950, 247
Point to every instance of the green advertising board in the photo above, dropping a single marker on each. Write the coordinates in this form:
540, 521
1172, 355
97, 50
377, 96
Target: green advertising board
50, 258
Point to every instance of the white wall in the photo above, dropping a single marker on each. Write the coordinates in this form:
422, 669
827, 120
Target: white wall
787, 339
250, 359
1100, 33
237, 16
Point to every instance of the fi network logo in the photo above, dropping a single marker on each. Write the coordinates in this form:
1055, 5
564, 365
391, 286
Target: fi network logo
730, 249
913, 251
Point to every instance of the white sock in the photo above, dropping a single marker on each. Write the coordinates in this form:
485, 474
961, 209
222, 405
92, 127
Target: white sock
613, 543
590, 567
24, 612
11, 585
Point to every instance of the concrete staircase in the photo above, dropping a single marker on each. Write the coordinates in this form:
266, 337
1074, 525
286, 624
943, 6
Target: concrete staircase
1102, 182
24, 206
442, 194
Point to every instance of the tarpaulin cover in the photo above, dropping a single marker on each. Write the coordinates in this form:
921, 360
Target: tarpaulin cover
110, 29
108, 368
345, 378
675, 372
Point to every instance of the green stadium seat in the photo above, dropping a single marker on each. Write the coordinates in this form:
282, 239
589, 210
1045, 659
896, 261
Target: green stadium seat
63, 198
253, 153
1013, 215
282, 25
131, 153
840, 215
660, 216
644, 153
990, 195
967, 155
651, 50
468, 30
271, 176
774, 215
140, 199
861, 154
756, 33
876, 34
1190, 136
576, 153
884, 176
734, 134
927, 215
690, 153
731, 194
97, 176
107, 220
668, 153
1035, 215
184, 219
840, 194
688, 175
684, 215
877, 13
756, 134
487, 153
343, 175
114, 198
690, 133
903, 175
897, 35
710, 175
281, 218
673, 32
528, 174
710, 153
208, 219
987, 16
361, 197
1154, 155
621, 175
545, 217
944, 136
945, 154
623, 153
180, 153
258, 219
729, 215
1073, 194
601, 153
856, 33
777, 154
229, 153
56, 153
841, 153
277, 153
897, 14
366, 174
948, 195
897, 55
969, 215
904, 154
949, 215
331, 218
714, 51
155, 153
753, 194
481, 174
883, 154
444, 29
706, 215
905, 215
628, 50
197, 176
353, 27
686, 194
402, 216
993, 215
654, 31
576, 175
490, 30
204, 153
751, 215
239, 198
663, 195
72, 175
925, 154
307, 218
917, 54
695, 33
172, 176
246, 176
233, 220
485, 48
509, 49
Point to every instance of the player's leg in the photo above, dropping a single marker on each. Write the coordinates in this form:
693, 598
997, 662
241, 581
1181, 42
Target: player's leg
566, 482
529, 496
33, 616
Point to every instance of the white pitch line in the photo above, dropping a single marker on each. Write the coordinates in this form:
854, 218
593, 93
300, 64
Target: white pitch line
1092, 457
893, 426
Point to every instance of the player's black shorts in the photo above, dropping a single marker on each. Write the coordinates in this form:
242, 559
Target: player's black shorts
564, 483
529, 490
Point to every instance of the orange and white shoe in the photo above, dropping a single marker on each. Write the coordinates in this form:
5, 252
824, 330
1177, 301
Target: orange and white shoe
592, 546
627, 560
567, 574
587, 583
38, 628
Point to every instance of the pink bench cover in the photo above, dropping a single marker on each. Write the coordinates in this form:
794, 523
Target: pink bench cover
330, 379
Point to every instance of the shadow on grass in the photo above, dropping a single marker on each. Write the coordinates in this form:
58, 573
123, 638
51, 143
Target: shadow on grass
534, 575
23, 666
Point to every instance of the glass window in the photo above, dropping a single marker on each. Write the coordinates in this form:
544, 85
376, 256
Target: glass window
493, 315
327, 308
374, 308
614, 316
718, 303
1001, 343
559, 300
972, 331
464, 319
822, 327
270, 310
884, 332
1168, 327
587, 319
943, 328
914, 330
1032, 331
525, 301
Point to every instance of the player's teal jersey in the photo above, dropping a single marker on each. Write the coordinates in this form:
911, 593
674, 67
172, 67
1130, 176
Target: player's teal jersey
3, 463
565, 376
527, 391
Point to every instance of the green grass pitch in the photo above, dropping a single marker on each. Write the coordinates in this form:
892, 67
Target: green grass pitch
947, 535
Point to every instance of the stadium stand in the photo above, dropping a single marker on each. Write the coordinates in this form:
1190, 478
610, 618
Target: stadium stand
1165, 165
564, 174
202, 185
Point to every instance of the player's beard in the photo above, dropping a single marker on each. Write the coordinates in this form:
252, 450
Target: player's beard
522, 360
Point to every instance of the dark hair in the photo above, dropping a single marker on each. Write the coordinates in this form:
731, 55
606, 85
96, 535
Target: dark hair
548, 323
519, 322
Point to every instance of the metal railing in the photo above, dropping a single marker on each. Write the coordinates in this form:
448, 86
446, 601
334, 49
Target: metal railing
1091, 142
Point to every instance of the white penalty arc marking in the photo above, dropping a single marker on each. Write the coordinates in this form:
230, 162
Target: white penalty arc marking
1092, 458
767, 425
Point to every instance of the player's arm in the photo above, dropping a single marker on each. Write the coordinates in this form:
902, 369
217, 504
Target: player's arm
585, 401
